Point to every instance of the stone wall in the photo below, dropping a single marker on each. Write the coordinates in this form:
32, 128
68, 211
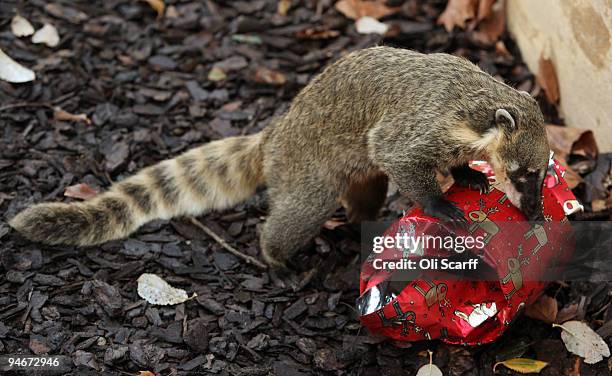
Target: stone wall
576, 36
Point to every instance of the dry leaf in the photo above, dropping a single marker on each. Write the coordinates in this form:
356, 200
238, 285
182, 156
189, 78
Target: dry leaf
283, 7
582, 155
155, 290
571, 177
565, 141
69, 14
158, 6
575, 370
581, 340
4, 196
485, 9
458, 13
569, 141
158, 95
586, 145
269, 76
355, 9
492, 27
317, 32
47, 35
429, 369
599, 205
172, 12
12, 71
500, 49
82, 191
547, 78
216, 74
249, 39
488, 15
369, 25
231, 106
61, 115
331, 224
145, 373
523, 365
567, 313
20, 27
544, 309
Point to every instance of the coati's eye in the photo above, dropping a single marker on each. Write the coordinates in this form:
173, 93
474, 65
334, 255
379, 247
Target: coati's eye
526, 179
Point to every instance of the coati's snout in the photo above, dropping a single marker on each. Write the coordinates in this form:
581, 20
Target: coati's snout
521, 159
525, 192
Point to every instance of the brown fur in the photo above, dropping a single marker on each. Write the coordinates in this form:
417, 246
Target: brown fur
376, 114
214, 176
364, 197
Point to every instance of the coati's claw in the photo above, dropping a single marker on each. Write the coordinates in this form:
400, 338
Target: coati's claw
444, 210
465, 176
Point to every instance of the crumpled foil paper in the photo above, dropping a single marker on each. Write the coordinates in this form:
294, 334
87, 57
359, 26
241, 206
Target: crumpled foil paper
471, 311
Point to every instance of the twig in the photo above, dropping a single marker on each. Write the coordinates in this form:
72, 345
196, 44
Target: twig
25, 104
48, 105
224, 244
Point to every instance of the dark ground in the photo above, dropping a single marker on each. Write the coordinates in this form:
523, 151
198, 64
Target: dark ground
144, 85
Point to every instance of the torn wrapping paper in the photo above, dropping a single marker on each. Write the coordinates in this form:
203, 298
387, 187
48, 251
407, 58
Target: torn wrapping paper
463, 309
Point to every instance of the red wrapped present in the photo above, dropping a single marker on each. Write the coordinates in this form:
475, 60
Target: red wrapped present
412, 304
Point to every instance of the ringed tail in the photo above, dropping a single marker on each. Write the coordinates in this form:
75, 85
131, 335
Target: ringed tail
214, 176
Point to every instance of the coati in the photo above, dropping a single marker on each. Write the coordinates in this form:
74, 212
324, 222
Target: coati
376, 114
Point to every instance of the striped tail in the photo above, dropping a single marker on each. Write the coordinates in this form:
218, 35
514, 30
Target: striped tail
214, 176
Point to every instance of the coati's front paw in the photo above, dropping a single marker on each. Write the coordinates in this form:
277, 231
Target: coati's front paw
445, 210
468, 177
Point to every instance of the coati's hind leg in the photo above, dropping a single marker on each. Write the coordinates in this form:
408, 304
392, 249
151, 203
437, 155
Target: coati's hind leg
468, 177
364, 198
295, 218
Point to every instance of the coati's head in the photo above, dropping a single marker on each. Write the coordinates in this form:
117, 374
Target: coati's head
520, 158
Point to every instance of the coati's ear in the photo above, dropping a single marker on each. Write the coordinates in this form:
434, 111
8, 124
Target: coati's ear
503, 119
